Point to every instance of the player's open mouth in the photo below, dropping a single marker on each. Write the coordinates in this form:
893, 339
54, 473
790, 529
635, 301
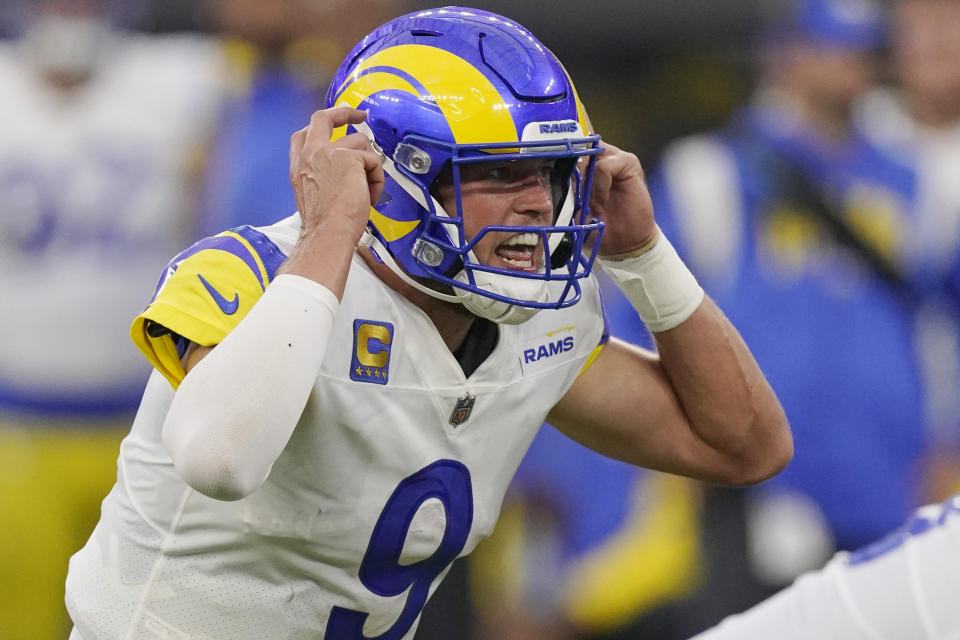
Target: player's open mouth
520, 251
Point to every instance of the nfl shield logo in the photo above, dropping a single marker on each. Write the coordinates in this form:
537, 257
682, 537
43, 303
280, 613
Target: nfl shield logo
462, 411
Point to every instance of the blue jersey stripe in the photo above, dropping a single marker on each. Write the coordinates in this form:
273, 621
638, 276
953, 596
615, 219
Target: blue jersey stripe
269, 253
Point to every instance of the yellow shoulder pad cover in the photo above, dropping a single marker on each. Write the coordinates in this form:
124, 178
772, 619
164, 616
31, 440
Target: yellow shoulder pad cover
203, 299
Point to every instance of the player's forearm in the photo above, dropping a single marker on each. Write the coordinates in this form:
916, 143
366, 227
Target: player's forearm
721, 391
727, 401
237, 407
323, 254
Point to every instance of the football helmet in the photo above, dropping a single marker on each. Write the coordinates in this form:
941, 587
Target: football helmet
450, 86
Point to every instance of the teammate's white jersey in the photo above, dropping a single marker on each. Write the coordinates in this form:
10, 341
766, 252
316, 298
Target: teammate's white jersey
95, 188
397, 466
904, 587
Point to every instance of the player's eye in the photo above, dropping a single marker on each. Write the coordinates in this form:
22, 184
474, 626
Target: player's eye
501, 173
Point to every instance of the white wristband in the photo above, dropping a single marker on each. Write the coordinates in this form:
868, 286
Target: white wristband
657, 283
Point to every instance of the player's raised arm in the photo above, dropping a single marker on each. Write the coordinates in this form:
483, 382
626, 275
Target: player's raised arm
701, 407
334, 183
237, 407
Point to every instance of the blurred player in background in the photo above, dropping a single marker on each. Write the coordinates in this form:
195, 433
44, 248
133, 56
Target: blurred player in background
917, 118
801, 226
100, 137
341, 398
281, 56
906, 585
903, 587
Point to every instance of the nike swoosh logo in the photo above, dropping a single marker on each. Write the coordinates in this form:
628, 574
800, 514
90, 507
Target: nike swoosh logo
229, 307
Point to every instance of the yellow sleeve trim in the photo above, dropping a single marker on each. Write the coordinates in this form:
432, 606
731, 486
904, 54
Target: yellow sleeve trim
203, 297
593, 356
162, 352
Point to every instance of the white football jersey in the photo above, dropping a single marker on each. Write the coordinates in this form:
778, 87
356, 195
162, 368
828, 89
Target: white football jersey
398, 465
904, 587
95, 188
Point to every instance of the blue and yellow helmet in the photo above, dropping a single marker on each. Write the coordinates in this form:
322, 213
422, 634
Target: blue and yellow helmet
454, 85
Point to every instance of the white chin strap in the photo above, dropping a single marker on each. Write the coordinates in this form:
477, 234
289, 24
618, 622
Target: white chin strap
497, 310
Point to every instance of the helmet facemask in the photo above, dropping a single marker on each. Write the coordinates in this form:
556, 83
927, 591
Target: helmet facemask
445, 255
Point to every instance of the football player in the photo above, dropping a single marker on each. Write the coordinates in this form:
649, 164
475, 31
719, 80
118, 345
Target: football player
340, 399
904, 587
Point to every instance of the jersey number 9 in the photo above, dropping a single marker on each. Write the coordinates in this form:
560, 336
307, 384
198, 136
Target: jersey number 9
381, 572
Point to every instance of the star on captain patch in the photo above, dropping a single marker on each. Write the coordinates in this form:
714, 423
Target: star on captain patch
461, 412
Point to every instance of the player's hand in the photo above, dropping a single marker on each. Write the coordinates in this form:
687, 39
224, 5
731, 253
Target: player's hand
620, 198
335, 183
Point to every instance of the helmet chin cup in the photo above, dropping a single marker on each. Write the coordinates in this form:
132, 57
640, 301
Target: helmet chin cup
497, 309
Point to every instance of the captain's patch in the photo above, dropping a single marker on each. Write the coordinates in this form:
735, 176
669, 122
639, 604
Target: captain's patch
371, 351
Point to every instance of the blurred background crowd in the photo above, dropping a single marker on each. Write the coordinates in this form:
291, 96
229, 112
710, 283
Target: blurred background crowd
804, 157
